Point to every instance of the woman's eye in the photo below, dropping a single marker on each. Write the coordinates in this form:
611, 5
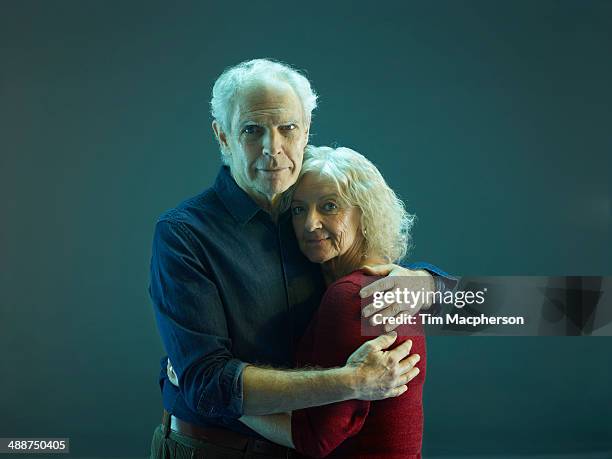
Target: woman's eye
297, 210
251, 129
330, 206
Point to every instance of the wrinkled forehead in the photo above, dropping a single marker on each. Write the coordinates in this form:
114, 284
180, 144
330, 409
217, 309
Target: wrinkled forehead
273, 101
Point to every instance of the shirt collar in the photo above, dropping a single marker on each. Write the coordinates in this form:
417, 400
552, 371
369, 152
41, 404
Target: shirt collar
237, 202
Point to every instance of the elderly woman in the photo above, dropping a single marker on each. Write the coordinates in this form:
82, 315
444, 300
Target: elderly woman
345, 217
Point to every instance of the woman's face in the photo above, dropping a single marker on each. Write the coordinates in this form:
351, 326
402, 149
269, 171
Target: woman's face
325, 228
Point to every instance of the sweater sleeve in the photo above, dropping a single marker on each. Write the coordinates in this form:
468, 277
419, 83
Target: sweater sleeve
334, 335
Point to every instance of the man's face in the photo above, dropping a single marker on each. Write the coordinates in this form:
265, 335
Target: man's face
266, 141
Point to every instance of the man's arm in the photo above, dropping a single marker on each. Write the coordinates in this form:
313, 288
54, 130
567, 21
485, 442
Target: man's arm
417, 277
191, 320
370, 373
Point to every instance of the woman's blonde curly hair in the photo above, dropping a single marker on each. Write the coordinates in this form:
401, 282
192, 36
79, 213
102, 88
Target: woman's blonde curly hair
385, 223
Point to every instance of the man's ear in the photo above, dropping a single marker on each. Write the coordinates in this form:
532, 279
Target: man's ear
221, 136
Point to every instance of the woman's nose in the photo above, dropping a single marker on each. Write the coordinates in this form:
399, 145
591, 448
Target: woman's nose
313, 222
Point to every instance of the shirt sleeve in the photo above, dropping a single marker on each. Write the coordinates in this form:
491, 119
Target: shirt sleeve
444, 281
192, 325
334, 335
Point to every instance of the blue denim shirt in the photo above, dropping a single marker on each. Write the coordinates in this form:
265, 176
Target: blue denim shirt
229, 286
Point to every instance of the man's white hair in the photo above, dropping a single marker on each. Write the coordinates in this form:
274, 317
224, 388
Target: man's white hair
385, 223
228, 84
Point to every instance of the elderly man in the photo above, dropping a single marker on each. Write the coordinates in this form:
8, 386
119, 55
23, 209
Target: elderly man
232, 293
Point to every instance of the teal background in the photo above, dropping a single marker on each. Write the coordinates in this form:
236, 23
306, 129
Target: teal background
491, 119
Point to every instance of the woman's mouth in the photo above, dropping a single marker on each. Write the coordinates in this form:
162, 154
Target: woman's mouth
316, 241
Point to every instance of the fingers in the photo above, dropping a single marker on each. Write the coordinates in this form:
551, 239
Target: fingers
403, 380
394, 316
397, 391
401, 351
369, 309
409, 375
390, 309
378, 270
381, 374
409, 363
414, 281
390, 327
399, 317
380, 285
382, 342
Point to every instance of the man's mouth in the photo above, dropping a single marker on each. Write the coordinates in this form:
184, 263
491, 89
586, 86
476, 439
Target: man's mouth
277, 169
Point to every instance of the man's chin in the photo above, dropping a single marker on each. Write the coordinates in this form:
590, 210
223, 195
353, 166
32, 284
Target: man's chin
275, 187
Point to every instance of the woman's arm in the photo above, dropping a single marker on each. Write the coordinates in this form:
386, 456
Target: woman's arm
274, 427
321, 429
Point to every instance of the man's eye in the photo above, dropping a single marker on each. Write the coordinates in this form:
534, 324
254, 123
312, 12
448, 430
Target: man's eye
330, 206
288, 127
297, 210
251, 129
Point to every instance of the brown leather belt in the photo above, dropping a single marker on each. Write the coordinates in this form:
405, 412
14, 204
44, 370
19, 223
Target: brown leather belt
224, 438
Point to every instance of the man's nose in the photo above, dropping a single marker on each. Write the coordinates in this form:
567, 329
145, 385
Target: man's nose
272, 144
313, 221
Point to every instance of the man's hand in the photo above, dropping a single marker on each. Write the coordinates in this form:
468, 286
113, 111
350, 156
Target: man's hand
382, 374
397, 277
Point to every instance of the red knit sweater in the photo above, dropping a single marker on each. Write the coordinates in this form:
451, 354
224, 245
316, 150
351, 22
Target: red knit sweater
391, 428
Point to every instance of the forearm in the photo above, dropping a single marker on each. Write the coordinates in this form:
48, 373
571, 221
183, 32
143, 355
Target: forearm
269, 391
274, 427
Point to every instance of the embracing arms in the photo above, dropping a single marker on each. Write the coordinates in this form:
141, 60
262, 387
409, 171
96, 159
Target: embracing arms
370, 373
335, 332
192, 323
